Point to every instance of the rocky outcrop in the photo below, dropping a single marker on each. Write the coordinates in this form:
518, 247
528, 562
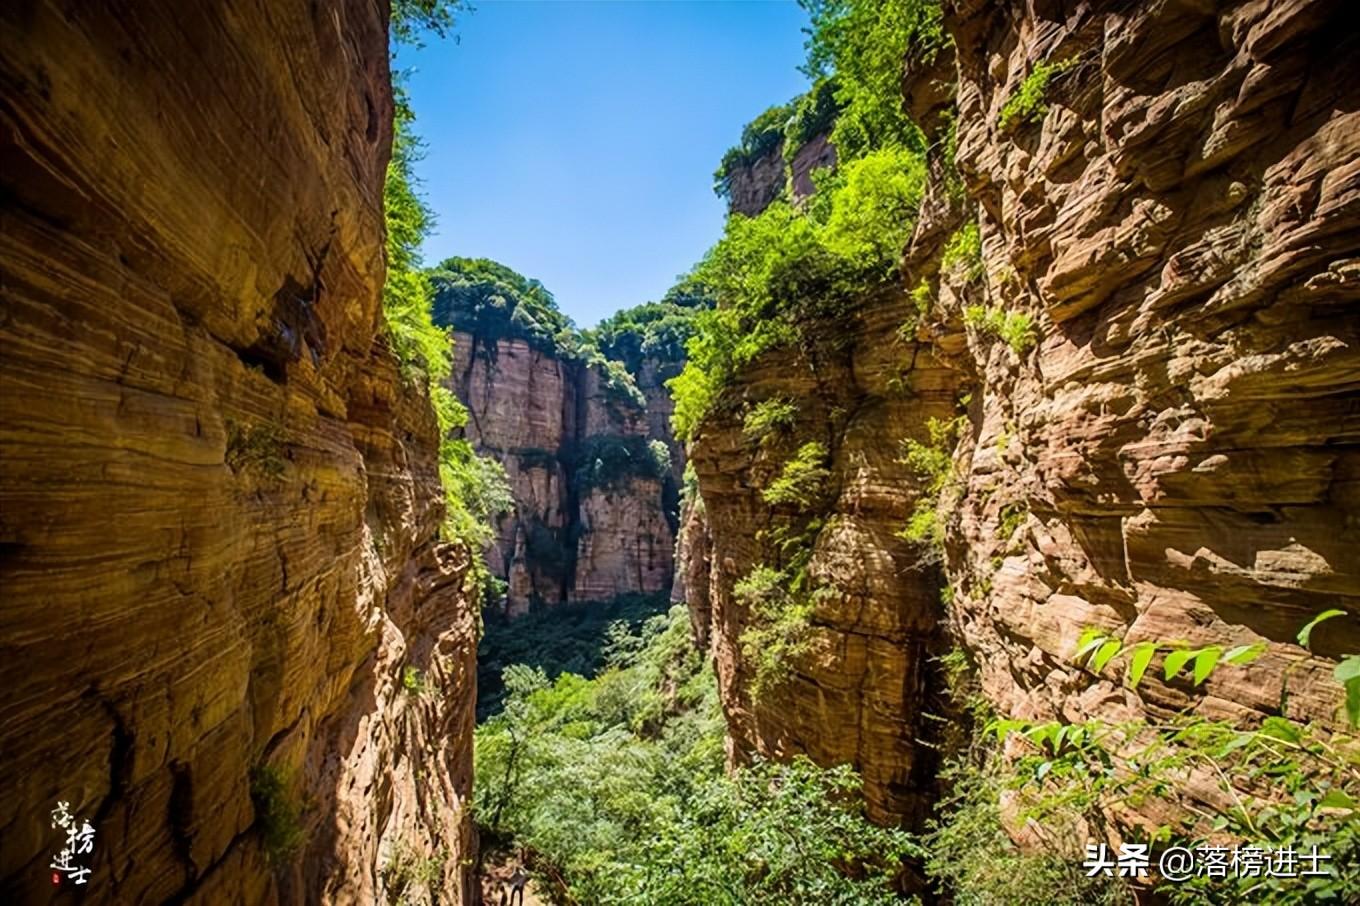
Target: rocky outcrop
226, 612
1178, 454
579, 531
753, 187
1172, 456
859, 695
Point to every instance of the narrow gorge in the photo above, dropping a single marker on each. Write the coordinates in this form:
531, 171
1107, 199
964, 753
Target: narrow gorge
984, 503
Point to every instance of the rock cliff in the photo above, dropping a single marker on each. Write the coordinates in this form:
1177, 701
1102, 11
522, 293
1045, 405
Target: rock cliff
231, 640
1177, 454
1167, 446
594, 509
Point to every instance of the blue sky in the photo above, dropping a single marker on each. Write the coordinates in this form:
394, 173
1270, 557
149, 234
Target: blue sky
576, 141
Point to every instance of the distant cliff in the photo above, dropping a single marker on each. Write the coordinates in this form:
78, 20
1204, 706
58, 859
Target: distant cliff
585, 439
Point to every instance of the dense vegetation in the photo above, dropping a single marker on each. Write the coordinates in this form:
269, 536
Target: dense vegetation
652, 330
775, 274
616, 785
475, 488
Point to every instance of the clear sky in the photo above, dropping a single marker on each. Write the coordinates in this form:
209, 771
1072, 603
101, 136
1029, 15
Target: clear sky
576, 141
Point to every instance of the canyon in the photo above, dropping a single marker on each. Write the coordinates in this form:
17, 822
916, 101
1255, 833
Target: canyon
235, 638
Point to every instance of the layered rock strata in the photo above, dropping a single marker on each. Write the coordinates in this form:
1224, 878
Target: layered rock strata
1177, 456
230, 639
577, 532
1155, 359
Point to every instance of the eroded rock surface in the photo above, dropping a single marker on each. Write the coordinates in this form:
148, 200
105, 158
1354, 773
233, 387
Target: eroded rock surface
1174, 457
219, 501
1179, 454
545, 418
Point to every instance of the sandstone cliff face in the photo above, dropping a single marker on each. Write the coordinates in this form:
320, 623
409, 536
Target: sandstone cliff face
755, 186
858, 696
1175, 458
542, 416
1183, 223
218, 500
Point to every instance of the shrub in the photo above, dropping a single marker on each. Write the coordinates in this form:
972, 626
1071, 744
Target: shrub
760, 137
814, 114
405, 869
803, 481
255, 449
484, 297
776, 274
775, 415
962, 257
874, 208
863, 43
475, 487
1027, 103
653, 330
933, 462
413, 680
1016, 329
617, 784
780, 628
611, 461
278, 817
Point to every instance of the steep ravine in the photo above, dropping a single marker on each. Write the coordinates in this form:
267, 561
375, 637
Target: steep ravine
219, 499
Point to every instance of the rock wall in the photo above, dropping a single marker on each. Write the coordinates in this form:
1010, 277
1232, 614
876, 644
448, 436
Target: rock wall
1175, 457
541, 416
753, 187
219, 502
1183, 443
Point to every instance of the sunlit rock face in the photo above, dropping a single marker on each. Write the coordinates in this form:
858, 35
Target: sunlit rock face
541, 415
1175, 455
219, 501
1180, 450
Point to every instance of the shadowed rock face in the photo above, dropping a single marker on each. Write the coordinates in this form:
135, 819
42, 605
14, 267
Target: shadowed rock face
219, 502
540, 415
1175, 458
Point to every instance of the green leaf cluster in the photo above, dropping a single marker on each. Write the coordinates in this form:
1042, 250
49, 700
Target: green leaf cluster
803, 481
617, 784
776, 274
1014, 328
759, 137
862, 43
1028, 103
475, 488
933, 462
611, 461
769, 418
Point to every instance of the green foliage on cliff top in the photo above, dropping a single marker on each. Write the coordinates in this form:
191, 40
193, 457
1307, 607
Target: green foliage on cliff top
863, 43
617, 783
814, 114
486, 298
759, 137
653, 330
778, 272
609, 462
